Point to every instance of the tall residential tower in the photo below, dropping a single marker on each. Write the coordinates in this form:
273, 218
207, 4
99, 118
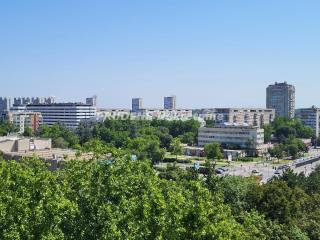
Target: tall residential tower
170, 102
5, 104
137, 104
281, 97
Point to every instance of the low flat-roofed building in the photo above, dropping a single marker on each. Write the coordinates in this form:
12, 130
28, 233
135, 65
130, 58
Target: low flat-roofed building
9, 144
16, 148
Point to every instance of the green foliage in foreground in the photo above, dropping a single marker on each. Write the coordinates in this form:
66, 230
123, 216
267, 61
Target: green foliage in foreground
129, 200
123, 200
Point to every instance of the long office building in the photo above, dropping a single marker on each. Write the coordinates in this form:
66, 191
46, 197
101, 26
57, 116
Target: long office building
310, 117
68, 114
243, 136
250, 116
281, 97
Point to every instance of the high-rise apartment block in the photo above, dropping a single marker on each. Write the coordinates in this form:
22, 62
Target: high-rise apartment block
170, 102
137, 104
19, 101
92, 101
281, 97
5, 104
310, 117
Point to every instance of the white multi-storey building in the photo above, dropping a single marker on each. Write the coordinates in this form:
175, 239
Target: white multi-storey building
68, 114
232, 134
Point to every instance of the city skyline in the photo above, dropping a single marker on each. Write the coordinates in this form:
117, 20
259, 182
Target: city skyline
210, 54
83, 99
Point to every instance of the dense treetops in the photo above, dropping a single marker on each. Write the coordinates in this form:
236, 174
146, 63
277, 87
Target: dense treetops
288, 134
283, 129
127, 199
118, 133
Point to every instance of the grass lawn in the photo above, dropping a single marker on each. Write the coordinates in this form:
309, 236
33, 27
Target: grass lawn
281, 162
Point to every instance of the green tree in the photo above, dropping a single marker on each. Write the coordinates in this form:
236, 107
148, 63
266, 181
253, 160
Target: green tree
293, 150
32, 204
213, 151
176, 147
28, 132
277, 151
189, 138
268, 130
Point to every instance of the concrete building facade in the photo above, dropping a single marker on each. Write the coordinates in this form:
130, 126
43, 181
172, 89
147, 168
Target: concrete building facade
167, 114
281, 97
310, 117
170, 102
113, 113
23, 120
5, 104
137, 104
250, 116
92, 101
20, 101
230, 134
68, 114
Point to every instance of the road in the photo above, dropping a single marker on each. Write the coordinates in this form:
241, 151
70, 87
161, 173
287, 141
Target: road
266, 170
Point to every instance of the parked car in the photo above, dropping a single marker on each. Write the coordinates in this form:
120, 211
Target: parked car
219, 171
223, 169
256, 173
277, 172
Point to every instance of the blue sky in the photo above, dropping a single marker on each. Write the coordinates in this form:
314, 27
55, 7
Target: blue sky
208, 53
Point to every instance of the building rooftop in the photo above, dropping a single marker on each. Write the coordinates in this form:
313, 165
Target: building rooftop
54, 153
59, 104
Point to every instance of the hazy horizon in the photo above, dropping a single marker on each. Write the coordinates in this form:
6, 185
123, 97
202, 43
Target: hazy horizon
208, 54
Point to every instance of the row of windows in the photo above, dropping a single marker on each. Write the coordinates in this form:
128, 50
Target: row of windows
226, 133
225, 138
